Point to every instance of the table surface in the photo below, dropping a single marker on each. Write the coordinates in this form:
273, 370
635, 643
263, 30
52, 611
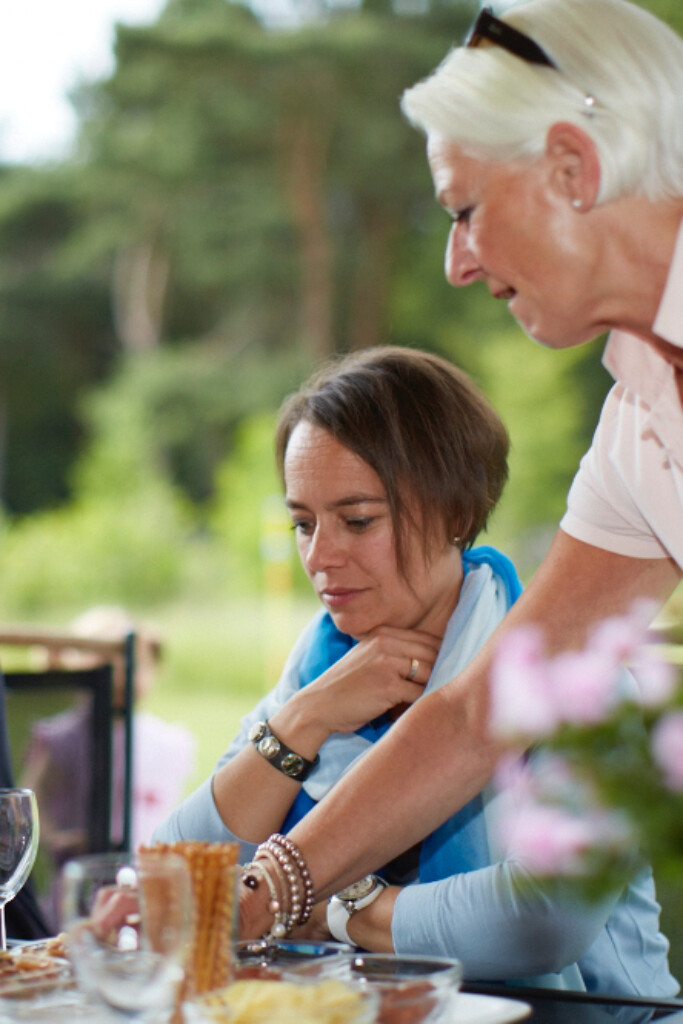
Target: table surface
548, 1006
553, 1007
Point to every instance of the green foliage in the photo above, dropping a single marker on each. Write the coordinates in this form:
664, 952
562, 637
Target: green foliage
117, 541
614, 757
55, 338
248, 505
533, 389
121, 550
181, 406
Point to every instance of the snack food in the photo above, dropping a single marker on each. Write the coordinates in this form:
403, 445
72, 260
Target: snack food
23, 972
263, 1002
212, 867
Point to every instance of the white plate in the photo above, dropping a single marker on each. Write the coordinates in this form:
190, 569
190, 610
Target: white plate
475, 1009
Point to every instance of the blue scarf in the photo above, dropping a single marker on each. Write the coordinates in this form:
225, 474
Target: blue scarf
461, 843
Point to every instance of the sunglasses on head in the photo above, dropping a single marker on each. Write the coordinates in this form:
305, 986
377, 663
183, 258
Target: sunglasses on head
491, 29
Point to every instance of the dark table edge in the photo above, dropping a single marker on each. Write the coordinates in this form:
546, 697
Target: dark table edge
570, 996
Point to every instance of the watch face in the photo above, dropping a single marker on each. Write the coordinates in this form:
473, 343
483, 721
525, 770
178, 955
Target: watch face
357, 890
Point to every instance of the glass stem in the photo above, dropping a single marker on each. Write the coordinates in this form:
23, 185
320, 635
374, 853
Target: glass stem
3, 934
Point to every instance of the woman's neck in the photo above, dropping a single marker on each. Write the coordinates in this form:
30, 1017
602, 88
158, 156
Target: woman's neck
438, 616
638, 238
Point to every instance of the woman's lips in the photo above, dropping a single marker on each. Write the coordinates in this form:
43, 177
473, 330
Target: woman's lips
338, 598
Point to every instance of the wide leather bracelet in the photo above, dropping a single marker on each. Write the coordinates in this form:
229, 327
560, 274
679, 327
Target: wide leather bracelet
287, 761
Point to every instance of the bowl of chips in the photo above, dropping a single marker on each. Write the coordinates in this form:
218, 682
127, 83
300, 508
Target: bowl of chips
269, 1000
411, 989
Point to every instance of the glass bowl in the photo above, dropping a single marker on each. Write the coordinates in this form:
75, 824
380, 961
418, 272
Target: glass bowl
411, 989
260, 959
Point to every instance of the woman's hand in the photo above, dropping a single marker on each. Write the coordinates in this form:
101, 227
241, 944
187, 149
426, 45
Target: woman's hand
315, 929
250, 796
255, 919
371, 679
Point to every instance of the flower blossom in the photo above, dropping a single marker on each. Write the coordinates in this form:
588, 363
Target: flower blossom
620, 636
547, 840
584, 685
533, 693
656, 678
667, 749
521, 703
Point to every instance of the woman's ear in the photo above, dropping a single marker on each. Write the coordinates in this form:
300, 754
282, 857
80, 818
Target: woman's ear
574, 164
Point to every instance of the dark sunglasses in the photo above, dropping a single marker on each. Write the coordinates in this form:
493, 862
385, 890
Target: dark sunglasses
488, 27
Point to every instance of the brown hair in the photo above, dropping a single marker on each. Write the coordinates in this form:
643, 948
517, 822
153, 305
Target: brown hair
422, 425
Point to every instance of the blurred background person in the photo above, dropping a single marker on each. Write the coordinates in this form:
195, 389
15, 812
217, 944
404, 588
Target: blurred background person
58, 758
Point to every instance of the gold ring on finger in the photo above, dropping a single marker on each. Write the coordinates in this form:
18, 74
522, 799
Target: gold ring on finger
414, 666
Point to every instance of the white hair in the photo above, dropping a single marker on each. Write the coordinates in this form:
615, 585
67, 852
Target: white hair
496, 106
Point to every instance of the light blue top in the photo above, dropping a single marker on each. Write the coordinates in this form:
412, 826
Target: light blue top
490, 914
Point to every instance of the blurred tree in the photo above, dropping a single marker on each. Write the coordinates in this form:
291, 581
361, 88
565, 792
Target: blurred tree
56, 336
243, 203
256, 178
248, 198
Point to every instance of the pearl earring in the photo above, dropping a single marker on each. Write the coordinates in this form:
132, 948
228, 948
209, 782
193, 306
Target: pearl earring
577, 204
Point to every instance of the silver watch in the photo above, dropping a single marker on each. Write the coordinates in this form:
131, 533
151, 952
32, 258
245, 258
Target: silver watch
344, 904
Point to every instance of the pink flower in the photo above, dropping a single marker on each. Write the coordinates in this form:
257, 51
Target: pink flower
546, 840
514, 775
584, 685
656, 678
619, 637
667, 749
521, 702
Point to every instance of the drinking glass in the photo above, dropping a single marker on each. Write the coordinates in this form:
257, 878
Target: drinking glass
128, 921
19, 833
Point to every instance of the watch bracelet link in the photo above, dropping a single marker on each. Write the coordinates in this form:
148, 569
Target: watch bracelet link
272, 749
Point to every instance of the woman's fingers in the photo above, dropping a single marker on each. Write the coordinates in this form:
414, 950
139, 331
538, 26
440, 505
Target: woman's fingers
385, 669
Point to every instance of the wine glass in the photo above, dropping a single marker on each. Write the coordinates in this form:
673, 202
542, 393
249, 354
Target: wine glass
19, 833
128, 921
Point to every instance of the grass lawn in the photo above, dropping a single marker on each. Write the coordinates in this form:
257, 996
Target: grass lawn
218, 662
214, 719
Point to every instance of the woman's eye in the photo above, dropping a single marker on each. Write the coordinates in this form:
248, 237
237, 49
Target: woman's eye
462, 216
360, 523
304, 526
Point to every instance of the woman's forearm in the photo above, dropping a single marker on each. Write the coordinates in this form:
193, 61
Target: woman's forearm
407, 784
370, 928
539, 928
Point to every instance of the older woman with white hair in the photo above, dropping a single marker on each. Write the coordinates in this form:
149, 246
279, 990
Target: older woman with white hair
555, 141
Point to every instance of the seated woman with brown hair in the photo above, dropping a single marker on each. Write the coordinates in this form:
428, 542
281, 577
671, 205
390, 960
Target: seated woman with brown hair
392, 462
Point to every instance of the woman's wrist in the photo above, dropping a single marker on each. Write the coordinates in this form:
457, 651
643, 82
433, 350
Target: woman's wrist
280, 877
370, 928
298, 726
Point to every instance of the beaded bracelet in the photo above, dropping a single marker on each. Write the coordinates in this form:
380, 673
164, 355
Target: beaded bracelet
288, 872
293, 904
306, 879
280, 926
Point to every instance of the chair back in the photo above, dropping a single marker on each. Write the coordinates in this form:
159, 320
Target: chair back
67, 732
32, 697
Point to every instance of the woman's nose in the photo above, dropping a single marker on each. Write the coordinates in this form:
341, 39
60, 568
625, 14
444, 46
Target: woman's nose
461, 266
324, 551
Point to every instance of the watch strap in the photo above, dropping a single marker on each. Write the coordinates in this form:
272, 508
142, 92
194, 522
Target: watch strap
340, 911
338, 918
